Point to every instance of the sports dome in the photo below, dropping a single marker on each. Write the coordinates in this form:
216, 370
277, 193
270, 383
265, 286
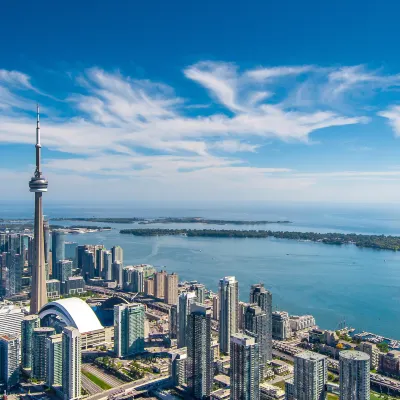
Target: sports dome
72, 312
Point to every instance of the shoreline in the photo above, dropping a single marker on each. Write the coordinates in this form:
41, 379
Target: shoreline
378, 242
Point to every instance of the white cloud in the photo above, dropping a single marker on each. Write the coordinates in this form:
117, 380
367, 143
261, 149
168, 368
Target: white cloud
393, 115
233, 146
125, 128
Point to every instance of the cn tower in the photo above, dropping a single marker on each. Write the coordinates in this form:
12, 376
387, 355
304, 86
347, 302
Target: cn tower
38, 184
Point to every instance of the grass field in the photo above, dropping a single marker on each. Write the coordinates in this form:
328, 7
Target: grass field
99, 382
280, 384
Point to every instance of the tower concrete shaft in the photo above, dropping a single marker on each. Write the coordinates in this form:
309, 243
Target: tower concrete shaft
38, 184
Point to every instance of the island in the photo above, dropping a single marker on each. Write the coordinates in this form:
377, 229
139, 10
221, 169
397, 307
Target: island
381, 242
170, 220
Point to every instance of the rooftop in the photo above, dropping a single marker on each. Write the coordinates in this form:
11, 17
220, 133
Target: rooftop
309, 355
354, 355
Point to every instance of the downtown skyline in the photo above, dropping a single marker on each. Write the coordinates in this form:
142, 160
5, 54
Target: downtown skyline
210, 120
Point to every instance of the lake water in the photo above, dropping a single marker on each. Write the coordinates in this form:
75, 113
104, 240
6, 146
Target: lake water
332, 283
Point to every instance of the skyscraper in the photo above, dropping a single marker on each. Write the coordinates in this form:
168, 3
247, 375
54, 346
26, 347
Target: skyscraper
29, 324
38, 184
171, 288
178, 367
354, 375
129, 322
184, 301
107, 265
117, 254
100, 262
229, 308
159, 283
62, 270
263, 298
138, 280
46, 241
72, 358
39, 352
200, 360
245, 362
200, 291
255, 323
9, 360
57, 247
281, 325
118, 273
310, 376
54, 359
173, 321
15, 266
215, 302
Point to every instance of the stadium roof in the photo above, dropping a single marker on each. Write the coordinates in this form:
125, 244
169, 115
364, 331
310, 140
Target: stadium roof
74, 312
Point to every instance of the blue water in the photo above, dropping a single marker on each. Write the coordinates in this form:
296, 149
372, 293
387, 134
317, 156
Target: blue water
332, 283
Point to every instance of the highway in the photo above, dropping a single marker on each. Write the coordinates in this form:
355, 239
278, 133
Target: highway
104, 376
89, 386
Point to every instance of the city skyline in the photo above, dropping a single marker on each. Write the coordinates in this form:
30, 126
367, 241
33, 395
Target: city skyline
269, 113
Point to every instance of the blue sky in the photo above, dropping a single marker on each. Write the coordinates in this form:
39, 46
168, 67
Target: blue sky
211, 100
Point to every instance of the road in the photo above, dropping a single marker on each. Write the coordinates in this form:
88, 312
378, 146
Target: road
89, 386
104, 376
127, 387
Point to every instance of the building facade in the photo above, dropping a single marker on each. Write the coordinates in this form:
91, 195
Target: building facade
9, 360
72, 358
129, 321
354, 375
184, 301
54, 359
39, 361
199, 354
229, 309
29, 324
245, 363
281, 325
310, 376
171, 288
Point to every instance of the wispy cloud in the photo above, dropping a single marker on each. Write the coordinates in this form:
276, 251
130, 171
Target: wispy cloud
127, 127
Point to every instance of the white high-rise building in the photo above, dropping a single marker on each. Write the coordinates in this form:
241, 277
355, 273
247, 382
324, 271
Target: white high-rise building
229, 311
199, 352
354, 375
310, 376
117, 254
184, 301
72, 357
245, 368
11, 318
107, 265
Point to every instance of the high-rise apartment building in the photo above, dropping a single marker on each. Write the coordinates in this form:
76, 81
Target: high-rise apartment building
72, 358
39, 362
200, 291
62, 270
255, 323
171, 288
54, 360
184, 301
372, 350
173, 321
215, 302
354, 375
229, 309
11, 317
118, 273
99, 262
57, 246
199, 353
149, 287
281, 325
177, 368
159, 284
15, 266
117, 254
242, 309
29, 324
263, 298
107, 265
88, 266
310, 376
129, 321
9, 360
245, 363
46, 241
